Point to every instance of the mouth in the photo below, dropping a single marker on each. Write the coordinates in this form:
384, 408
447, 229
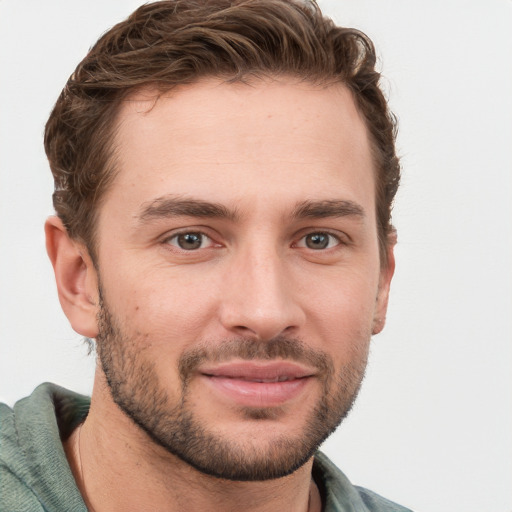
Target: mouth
258, 384
280, 378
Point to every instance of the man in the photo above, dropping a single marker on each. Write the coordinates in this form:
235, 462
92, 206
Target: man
224, 173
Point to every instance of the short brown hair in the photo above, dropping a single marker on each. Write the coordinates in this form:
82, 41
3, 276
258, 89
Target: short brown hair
174, 42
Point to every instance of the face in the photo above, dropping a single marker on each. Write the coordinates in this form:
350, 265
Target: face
239, 268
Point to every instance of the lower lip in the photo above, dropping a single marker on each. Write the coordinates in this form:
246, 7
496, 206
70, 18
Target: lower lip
258, 394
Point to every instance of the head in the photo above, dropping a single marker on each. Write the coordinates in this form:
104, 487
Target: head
224, 177
174, 43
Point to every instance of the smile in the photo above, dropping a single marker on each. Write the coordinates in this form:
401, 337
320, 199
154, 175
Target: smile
253, 384
281, 378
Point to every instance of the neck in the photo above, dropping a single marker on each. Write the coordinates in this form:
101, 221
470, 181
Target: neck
118, 467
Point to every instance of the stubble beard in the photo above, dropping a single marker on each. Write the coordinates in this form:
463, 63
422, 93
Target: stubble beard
171, 423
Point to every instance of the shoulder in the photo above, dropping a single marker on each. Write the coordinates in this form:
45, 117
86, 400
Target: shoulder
34, 474
15, 492
375, 502
340, 495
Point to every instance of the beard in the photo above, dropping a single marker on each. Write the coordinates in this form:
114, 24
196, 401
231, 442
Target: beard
168, 417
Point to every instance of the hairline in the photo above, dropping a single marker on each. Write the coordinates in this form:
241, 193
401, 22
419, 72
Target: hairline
112, 168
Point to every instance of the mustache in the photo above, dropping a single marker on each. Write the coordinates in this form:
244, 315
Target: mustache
279, 347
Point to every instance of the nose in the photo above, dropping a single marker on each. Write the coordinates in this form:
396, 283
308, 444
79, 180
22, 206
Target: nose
260, 298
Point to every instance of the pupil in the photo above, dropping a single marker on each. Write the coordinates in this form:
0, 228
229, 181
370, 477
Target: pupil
189, 241
317, 241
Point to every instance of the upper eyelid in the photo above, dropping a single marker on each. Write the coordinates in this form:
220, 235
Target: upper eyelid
339, 235
202, 230
166, 241
336, 237
174, 235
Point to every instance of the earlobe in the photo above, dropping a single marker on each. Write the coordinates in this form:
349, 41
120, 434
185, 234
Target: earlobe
76, 278
386, 274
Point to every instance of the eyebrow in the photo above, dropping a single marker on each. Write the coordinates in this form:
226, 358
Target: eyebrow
328, 208
173, 206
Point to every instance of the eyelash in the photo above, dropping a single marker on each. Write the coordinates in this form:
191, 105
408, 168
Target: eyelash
331, 237
175, 236
300, 243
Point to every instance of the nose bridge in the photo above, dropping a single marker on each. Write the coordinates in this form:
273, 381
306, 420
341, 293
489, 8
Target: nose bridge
259, 294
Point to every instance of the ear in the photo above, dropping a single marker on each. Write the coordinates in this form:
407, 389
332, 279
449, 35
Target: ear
76, 277
386, 274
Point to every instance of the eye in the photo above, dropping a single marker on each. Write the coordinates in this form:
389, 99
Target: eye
318, 241
190, 241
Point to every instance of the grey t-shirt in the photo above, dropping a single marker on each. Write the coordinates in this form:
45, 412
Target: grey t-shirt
35, 475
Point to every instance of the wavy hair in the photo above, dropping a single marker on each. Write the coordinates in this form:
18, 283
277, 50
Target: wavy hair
174, 42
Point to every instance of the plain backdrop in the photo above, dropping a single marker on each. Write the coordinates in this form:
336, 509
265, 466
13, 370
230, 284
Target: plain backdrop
432, 428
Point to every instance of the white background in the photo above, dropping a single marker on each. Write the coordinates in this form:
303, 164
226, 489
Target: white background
433, 425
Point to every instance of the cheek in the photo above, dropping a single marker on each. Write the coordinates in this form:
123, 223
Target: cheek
165, 310
343, 313
351, 293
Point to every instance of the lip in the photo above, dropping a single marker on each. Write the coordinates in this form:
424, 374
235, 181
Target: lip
258, 384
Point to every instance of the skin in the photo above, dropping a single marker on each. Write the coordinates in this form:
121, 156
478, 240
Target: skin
260, 151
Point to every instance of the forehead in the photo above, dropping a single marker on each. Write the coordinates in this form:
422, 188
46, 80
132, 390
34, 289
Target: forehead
239, 141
